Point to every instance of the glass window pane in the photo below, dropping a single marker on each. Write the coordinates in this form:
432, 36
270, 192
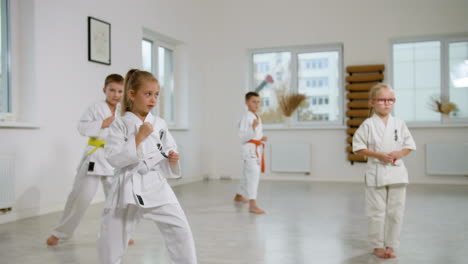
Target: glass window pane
4, 83
416, 79
458, 64
166, 81
274, 64
147, 55
322, 79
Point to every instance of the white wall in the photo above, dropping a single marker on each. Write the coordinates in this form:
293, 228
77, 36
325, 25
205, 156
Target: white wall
53, 82
364, 27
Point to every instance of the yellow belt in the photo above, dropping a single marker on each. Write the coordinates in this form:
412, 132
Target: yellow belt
96, 143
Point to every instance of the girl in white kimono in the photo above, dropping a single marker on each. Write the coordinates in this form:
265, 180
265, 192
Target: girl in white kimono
385, 140
144, 154
252, 153
93, 168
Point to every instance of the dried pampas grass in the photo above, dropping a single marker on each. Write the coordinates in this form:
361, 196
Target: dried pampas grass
288, 103
444, 108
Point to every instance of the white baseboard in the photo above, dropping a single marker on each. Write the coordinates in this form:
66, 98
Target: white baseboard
176, 182
460, 181
16, 215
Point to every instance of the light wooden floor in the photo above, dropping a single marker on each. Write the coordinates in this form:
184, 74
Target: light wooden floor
306, 222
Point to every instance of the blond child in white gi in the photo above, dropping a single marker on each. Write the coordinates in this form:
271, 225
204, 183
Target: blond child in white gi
385, 140
252, 153
93, 168
144, 154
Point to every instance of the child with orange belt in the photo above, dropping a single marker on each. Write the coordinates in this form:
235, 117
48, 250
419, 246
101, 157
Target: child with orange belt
252, 152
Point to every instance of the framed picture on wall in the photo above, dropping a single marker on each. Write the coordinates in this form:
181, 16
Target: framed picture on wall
99, 41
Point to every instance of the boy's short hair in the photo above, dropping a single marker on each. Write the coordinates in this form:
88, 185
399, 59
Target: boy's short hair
250, 95
113, 78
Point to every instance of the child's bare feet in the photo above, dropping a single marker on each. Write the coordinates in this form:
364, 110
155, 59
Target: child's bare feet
253, 208
131, 242
390, 253
52, 240
240, 199
256, 210
380, 253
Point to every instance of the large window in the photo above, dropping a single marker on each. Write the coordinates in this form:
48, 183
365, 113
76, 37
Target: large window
315, 71
158, 58
430, 69
5, 94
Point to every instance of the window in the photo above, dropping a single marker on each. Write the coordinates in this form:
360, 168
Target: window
147, 54
279, 76
265, 102
319, 63
428, 69
5, 93
158, 58
318, 100
315, 82
324, 79
307, 70
282, 65
263, 67
458, 77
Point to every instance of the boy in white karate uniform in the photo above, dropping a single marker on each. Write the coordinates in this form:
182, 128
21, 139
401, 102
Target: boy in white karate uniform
93, 168
384, 139
144, 154
252, 153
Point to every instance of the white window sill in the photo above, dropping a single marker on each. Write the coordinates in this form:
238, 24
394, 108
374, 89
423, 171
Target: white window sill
178, 129
19, 125
284, 128
436, 125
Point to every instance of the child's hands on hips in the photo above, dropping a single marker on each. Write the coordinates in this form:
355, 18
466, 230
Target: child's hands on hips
264, 138
173, 156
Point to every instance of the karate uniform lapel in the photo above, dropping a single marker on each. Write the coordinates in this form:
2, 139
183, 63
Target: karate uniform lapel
383, 143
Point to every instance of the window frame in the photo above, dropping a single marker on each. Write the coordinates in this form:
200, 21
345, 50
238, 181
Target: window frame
445, 40
6, 60
294, 85
157, 41
153, 61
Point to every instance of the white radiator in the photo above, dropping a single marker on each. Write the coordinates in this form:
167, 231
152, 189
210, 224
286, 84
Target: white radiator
447, 159
7, 182
290, 157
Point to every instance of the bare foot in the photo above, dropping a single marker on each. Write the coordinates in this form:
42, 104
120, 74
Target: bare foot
390, 253
240, 199
131, 242
256, 210
52, 240
380, 253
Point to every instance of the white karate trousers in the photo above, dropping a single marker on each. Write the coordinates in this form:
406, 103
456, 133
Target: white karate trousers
118, 224
250, 178
83, 191
385, 207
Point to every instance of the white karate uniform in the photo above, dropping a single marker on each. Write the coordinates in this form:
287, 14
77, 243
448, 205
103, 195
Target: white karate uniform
385, 182
250, 160
141, 191
93, 168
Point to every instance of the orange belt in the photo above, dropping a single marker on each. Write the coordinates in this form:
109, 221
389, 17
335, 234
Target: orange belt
259, 143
